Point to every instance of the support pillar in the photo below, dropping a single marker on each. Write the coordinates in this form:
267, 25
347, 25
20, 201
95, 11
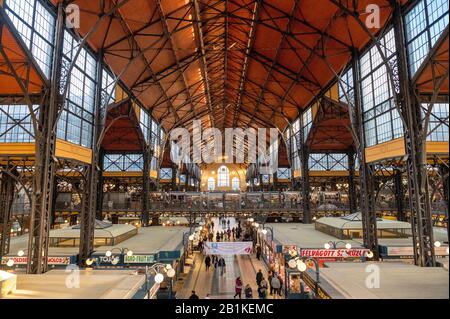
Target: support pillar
45, 165
351, 182
306, 198
145, 217
174, 176
92, 207
275, 181
7, 187
399, 194
87, 216
367, 201
415, 145
99, 206
444, 172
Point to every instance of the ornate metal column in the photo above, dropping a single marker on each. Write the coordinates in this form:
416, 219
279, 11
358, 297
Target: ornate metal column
444, 172
399, 194
275, 181
45, 164
367, 202
351, 181
174, 176
415, 144
304, 162
99, 206
7, 188
87, 215
93, 185
148, 154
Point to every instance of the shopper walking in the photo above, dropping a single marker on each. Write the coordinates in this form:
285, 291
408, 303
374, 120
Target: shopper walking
281, 285
259, 277
270, 282
222, 266
238, 288
262, 290
207, 262
248, 291
258, 252
275, 285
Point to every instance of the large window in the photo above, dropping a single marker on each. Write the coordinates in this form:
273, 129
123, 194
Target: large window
293, 143
236, 184
16, 124
438, 126
77, 119
424, 24
307, 122
223, 177
284, 173
328, 162
36, 24
146, 125
382, 122
165, 173
211, 184
108, 87
346, 87
123, 163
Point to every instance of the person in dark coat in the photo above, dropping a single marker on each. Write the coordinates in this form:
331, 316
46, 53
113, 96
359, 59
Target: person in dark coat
259, 277
238, 288
207, 262
258, 252
222, 266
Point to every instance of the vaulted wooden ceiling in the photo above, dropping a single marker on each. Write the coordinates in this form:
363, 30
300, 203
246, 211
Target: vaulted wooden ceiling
228, 63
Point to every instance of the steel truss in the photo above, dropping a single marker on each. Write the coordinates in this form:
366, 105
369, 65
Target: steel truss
415, 143
7, 189
305, 187
366, 182
351, 182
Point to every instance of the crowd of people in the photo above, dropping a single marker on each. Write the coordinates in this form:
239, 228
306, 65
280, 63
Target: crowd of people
270, 285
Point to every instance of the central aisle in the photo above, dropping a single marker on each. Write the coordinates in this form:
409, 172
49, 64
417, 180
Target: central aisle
219, 286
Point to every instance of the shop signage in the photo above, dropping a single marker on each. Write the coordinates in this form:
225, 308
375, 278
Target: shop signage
140, 259
103, 260
334, 253
229, 248
56, 261
407, 251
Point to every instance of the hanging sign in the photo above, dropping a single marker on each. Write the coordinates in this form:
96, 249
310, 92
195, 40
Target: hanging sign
229, 248
334, 253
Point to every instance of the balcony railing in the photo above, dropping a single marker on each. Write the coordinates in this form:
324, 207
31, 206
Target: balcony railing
115, 202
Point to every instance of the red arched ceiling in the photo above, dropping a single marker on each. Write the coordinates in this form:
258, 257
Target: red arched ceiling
228, 63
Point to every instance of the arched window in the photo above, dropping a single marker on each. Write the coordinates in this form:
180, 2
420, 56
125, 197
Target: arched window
236, 184
211, 184
224, 177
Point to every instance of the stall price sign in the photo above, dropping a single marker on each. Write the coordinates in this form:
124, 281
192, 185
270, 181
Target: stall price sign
334, 253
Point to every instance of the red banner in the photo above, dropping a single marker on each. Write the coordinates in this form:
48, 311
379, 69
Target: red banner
334, 253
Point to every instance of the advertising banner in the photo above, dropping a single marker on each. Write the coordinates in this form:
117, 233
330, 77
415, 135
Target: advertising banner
334, 253
407, 251
140, 259
56, 261
228, 248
